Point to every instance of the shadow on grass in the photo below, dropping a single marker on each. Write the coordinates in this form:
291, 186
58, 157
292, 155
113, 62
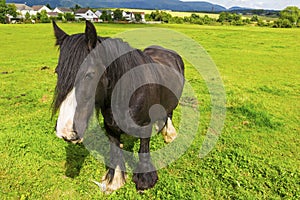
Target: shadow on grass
76, 155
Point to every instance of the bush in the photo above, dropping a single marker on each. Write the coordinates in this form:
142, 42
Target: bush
289, 17
283, 23
44, 17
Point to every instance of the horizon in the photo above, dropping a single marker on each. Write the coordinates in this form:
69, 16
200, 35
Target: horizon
255, 4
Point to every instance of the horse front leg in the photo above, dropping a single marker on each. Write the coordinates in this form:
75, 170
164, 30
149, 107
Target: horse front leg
115, 177
145, 174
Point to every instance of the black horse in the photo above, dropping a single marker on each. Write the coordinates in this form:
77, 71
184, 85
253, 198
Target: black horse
131, 88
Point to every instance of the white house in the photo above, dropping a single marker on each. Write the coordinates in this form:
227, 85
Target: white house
98, 13
87, 14
39, 9
142, 16
63, 10
130, 16
22, 9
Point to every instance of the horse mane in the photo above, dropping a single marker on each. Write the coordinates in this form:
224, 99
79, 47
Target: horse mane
74, 50
115, 48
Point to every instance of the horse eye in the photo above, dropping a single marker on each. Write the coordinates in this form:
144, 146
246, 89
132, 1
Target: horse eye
90, 75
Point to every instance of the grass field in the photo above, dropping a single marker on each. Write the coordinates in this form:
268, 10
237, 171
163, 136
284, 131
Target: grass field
256, 157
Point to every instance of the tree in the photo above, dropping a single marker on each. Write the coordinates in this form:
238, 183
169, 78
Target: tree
3, 10
76, 7
254, 18
60, 16
27, 17
291, 13
223, 17
154, 16
161, 16
6, 9
69, 16
44, 17
33, 17
12, 10
283, 23
48, 6
38, 16
118, 14
138, 17
105, 16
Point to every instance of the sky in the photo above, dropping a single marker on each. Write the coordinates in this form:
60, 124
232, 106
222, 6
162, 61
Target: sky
259, 4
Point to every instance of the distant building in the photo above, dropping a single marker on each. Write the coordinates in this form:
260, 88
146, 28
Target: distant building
22, 9
98, 13
39, 9
63, 10
142, 16
52, 14
128, 16
87, 14
131, 16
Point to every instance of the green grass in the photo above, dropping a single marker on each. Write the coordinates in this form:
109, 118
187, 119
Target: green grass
256, 157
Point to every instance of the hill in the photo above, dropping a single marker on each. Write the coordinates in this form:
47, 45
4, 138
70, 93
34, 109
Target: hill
175, 5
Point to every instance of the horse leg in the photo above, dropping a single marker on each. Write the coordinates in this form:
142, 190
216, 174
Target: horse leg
115, 176
145, 175
169, 133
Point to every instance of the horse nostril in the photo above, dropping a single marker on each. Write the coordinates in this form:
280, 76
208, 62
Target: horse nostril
65, 139
73, 137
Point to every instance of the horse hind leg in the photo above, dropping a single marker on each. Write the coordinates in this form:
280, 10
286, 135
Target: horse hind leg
169, 132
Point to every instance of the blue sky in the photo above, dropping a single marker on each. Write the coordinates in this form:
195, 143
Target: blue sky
265, 4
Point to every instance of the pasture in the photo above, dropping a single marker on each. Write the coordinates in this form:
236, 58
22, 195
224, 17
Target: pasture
256, 157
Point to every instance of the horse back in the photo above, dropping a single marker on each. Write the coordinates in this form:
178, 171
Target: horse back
165, 57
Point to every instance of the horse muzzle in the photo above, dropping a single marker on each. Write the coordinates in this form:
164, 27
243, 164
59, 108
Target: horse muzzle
73, 140
69, 136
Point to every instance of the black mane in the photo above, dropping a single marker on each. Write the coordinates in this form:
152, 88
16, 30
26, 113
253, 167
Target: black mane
67, 68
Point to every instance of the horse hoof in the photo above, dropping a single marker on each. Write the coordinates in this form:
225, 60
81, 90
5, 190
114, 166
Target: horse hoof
144, 181
169, 135
169, 132
110, 184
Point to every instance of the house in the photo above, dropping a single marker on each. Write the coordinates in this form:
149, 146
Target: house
39, 9
128, 16
87, 14
63, 10
98, 13
108, 12
142, 15
22, 9
131, 16
52, 14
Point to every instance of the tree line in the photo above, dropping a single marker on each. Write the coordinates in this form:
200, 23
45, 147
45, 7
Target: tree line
288, 18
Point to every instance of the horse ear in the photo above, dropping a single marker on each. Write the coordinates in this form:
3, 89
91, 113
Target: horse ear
91, 35
59, 34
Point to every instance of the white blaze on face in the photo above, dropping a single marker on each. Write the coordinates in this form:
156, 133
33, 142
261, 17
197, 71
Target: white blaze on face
64, 126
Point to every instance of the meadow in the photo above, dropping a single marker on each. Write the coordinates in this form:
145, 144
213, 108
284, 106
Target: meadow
256, 157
